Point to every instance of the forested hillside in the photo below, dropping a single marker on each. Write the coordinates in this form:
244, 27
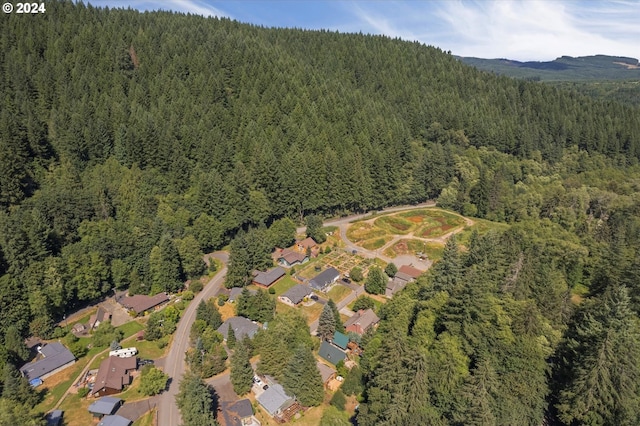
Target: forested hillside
131, 143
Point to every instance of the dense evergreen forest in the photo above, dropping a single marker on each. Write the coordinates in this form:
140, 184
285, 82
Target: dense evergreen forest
131, 143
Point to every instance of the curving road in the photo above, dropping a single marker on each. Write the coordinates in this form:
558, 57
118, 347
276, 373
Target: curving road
174, 365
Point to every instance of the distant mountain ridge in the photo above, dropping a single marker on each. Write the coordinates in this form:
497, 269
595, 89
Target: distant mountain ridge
565, 68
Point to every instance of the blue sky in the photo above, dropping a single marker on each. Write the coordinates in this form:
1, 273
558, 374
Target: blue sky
516, 29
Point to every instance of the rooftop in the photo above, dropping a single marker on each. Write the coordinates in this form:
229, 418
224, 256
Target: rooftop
234, 412
307, 243
114, 373
114, 421
105, 405
141, 302
324, 278
325, 371
340, 340
297, 293
411, 271
362, 320
331, 353
274, 399
55, 355
269, 277
241, 326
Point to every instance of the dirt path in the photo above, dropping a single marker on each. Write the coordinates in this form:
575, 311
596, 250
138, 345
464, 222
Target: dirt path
344, 225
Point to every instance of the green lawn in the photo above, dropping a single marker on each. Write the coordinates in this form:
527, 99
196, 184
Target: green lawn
130, 328
147, 419
284, 284
76, 411
375, 243
395, 224
149, 350
338, 292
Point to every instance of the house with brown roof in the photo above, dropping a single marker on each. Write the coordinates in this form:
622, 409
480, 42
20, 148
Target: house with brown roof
410, 271
405, 275
288, 257
141, 303
114, 374
361, 321
308, 243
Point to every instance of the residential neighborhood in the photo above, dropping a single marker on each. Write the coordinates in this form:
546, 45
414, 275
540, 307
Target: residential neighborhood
321, 278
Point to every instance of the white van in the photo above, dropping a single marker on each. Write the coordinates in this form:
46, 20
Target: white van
124, 353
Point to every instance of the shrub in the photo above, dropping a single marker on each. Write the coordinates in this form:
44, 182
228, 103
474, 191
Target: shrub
196, 286
338, 400
187, 295
82, 392
356, 274
272, 290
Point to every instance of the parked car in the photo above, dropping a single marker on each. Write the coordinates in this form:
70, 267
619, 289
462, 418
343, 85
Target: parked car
346, 280
265, 387
257, 381
145, 362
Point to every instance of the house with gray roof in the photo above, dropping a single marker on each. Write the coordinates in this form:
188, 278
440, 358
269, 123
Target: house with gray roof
295, 294
324, 279
331, 353
241, 326
105, 406
54, 418
52, 358
327, 373
114, 420
275, 400
235, 292
268, 278
237, 413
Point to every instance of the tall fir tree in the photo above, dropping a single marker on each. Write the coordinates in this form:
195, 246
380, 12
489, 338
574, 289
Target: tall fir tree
302, 378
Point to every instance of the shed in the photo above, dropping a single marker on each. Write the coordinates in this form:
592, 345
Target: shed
327, 373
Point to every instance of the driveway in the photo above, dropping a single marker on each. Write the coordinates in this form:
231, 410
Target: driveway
134, 410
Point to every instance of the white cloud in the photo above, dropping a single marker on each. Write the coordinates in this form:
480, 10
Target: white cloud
514, 29
196, 7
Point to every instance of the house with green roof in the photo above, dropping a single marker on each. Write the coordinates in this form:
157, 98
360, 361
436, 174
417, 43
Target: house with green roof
340, 340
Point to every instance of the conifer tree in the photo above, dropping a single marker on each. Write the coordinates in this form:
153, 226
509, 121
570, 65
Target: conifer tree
336, 315
302, 378
326, 323
603, 364
241, 370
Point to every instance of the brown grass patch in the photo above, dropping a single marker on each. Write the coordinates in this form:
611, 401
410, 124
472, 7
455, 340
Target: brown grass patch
227, 311
415, 219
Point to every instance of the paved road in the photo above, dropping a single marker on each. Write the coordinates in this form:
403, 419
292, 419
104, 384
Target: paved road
174, 365
341, 304
344, 220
